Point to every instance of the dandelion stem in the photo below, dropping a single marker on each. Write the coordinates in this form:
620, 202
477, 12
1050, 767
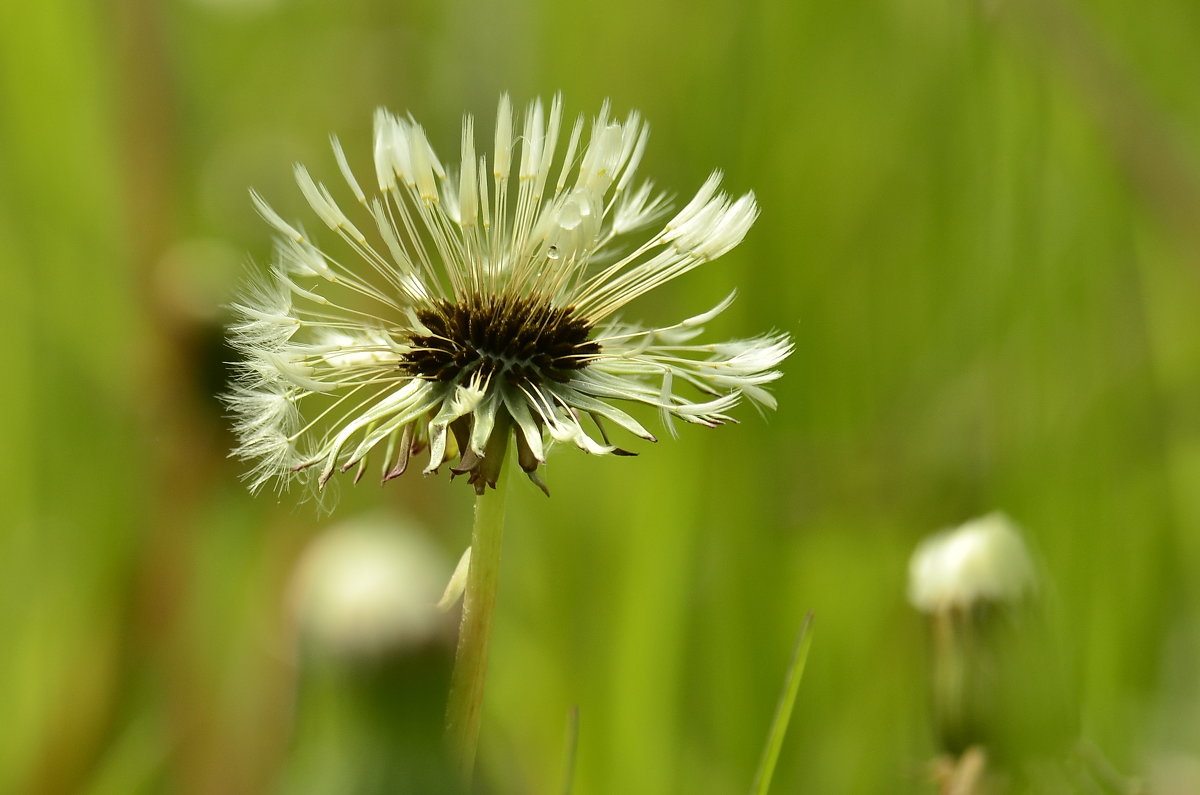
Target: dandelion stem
479, 600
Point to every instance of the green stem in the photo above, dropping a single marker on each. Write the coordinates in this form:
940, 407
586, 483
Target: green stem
479, 600
783, 710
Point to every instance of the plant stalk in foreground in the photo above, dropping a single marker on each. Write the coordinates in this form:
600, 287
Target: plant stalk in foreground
479, 600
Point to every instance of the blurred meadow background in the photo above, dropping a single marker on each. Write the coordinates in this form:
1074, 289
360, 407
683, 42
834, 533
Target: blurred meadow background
980, 222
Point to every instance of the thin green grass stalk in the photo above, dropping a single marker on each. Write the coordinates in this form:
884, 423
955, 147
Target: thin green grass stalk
465, 705
572, 748
783, 711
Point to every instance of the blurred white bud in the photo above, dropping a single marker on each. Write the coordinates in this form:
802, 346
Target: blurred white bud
982, 560
368, 587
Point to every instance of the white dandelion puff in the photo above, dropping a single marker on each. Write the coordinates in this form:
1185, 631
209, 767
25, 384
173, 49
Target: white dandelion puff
984, 559
468, 307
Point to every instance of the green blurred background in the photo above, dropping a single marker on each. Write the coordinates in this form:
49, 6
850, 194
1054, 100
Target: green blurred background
981, 223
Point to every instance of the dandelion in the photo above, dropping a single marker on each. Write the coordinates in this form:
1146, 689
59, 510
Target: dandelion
982, 560
365, 589
999, 697
482, 306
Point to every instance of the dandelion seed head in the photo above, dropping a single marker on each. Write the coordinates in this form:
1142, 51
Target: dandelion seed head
984, 559
461, 308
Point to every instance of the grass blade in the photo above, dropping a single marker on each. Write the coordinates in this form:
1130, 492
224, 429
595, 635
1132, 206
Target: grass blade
783, 711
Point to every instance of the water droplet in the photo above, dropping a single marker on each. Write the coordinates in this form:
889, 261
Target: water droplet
552, 253
571, 214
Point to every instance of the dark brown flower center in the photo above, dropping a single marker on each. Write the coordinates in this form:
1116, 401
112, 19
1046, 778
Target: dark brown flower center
521, 339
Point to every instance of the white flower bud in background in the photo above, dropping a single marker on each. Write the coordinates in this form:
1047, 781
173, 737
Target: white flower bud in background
1002, 705
984, 559
368, 587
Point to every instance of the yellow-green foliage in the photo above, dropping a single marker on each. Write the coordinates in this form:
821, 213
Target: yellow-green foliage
979, 225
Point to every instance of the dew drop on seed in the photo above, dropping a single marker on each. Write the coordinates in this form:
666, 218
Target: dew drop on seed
552, 253
570, 216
